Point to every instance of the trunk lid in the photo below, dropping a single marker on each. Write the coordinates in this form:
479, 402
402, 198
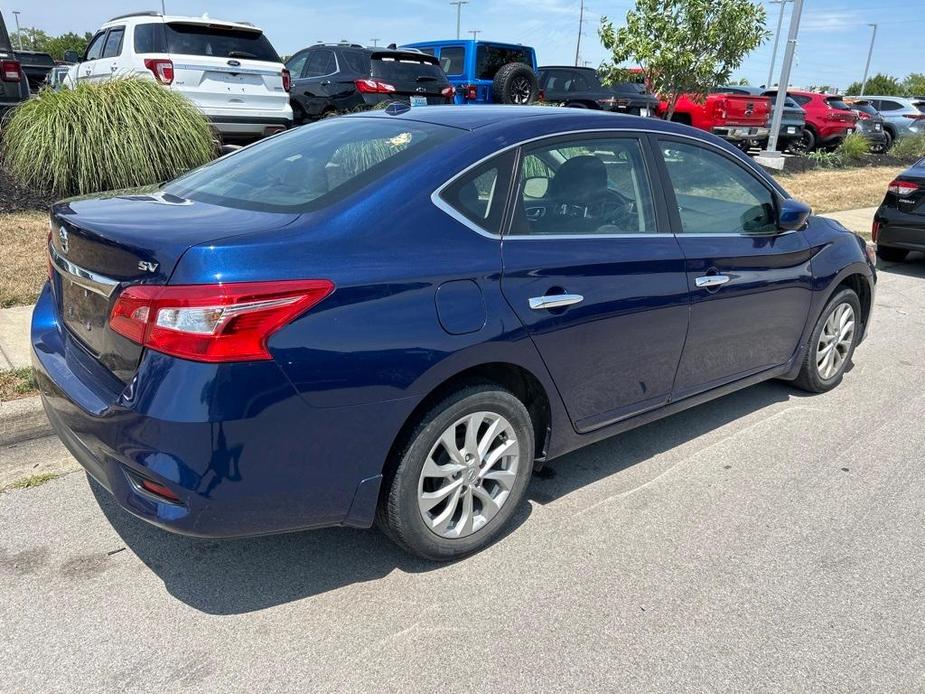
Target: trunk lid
412, 74
742, 109
98, 246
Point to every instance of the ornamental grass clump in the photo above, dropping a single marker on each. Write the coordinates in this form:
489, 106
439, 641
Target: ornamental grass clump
116, 134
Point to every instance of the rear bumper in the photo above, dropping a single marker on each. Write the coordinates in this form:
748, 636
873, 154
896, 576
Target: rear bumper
243, 451
253, 126
907, 233
740, 133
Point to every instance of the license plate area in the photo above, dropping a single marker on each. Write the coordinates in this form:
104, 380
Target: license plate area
85, 313
416, 100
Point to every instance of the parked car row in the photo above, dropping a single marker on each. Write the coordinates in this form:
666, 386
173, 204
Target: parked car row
14, 85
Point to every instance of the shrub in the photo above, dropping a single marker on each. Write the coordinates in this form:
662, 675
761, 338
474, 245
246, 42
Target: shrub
909, 147
116, 134
853, 148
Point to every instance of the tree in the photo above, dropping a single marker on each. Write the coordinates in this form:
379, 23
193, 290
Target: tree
684, 46
914, 84
881, 84
37, 40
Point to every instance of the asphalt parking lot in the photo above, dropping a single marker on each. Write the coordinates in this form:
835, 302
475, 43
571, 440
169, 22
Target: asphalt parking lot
768, 541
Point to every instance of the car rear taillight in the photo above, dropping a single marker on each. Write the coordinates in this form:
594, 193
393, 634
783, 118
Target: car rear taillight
914, 116
448, 92
903, 188
213, 322
875, 231
160, 490
161, 68
9, 71
368, 86
470, 92
863, 116
287, 80
720, 108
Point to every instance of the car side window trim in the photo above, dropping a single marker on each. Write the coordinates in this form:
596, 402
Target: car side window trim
669, 192
318, 77
99, 39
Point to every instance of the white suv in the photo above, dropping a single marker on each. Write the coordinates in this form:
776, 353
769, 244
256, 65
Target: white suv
229, 70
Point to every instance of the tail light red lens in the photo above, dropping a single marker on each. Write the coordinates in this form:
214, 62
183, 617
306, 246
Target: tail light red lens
287, 80
863, 116
720, 107
903, 188
875, 231
161, 68
9, 71
914, 116
213, 323
159, 490
368, 86
448, 92
470, 92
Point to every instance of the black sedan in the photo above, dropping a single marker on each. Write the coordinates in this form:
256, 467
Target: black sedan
899, 224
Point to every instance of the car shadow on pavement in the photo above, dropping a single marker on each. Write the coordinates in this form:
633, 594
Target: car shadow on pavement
243, 575
912, 266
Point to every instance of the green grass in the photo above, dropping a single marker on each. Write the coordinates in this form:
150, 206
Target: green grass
16, 383
32, 481
853, 148
120, 133
909, 147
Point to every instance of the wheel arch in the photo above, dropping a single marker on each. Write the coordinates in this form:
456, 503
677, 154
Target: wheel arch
859, 284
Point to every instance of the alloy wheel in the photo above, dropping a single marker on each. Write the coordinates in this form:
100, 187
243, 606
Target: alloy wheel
468, 475
520, 91
835, 341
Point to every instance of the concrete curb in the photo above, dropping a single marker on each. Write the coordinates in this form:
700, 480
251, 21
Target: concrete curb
22, 420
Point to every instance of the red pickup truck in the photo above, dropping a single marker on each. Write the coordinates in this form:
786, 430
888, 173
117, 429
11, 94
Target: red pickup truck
742, 119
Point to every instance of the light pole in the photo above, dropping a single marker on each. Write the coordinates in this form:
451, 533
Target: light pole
780, 23
459, 4
581, 22
475, 33
784, 81
870, 52
16, 14
375, 42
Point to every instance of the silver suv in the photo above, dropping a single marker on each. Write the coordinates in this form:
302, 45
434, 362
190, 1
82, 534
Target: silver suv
229, 70
903, 116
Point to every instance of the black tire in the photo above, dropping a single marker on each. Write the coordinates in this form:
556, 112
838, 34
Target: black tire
399, 514
891, 255
515, 83
808, 143
887, 144
810, 378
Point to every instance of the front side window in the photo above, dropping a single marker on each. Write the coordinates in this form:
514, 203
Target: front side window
453, 60
113, 46
95, 48
714, 194
490, 59
584, 186
887, 105
311, 167
480, 194
296, 64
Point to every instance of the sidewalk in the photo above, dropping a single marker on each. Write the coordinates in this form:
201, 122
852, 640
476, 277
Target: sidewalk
14, 322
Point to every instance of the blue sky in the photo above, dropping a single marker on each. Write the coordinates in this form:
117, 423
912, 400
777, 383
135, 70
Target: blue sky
833, 39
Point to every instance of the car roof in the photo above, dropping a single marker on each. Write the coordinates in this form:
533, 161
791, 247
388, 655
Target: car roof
169, 18
464, 42
565, 67
472, 117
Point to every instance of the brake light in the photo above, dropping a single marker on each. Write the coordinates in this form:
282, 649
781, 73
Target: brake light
903, 188
368, 86
287, 80
720, 107
914, 116
159, 490
213, 322
875, 231
448, 92
9, 71
161, 68
863, 116
470, 92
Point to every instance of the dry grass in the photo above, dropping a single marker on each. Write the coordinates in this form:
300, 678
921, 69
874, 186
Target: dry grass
17, 383
831, 190
23, 267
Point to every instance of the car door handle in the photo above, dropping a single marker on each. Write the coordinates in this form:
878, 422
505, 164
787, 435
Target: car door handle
708, 281
325, 83
540, 303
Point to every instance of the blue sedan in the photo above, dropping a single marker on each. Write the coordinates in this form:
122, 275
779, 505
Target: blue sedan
396, 317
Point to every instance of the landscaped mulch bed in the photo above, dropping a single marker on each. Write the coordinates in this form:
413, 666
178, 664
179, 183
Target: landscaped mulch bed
17, 198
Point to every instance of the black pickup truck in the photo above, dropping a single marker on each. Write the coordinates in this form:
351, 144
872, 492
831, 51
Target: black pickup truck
36, 65
580, 87
14, 87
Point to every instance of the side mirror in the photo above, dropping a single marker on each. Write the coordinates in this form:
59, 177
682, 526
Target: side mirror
536, 187
71, 57
793, 215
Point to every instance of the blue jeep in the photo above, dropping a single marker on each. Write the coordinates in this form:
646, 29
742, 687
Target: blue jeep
486, 72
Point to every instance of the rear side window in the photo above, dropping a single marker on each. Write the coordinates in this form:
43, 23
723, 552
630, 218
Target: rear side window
490, 59
453, 60
715, 195
113, 46
406, 67
802, 100
320, 63
149, 38
480, 194
887, 105
218, 41
311, 167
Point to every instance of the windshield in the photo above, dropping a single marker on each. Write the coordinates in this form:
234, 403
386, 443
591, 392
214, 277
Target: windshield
220, 41
311, 167
406, 68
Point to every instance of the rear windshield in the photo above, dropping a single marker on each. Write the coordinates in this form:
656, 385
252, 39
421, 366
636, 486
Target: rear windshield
311, 167
920, 105
864, 107
629, 87
836, 102
406, 68
490, 59
219, 41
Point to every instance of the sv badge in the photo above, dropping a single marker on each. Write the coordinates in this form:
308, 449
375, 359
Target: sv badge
146, 266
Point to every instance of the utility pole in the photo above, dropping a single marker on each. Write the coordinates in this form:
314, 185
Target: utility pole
783, 83
870, 52
780, 23
163, 7
16, 14
581, 25
375, 42
459, 4
475, 33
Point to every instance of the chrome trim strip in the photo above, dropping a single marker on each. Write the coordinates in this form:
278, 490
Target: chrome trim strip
442, 205
91, 281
